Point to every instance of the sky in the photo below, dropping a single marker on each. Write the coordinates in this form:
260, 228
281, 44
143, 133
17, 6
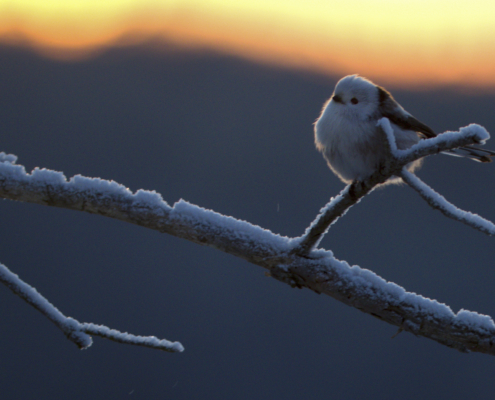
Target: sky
409, 43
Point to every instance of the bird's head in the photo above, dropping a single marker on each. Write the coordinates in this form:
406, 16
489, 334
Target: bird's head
355, 97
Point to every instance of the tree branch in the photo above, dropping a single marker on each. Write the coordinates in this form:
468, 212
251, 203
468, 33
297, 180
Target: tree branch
318, 271
329, 214
468, 135
394, 165
75, 331
439, 202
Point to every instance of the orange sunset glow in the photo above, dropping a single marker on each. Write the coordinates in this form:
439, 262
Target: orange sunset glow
413, 43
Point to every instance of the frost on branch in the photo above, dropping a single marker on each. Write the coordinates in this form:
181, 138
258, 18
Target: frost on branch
398, 159
438, 202
74, 330
294, 261
471, 134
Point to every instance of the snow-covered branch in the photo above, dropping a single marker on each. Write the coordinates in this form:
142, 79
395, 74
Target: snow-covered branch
468, 135
76, 331
397, 160
438, 202
144, 208
329, 214
317, 270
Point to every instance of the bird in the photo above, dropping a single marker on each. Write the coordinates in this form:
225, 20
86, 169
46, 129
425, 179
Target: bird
347, 134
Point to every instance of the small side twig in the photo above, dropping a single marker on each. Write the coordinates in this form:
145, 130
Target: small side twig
439, 202
329, 214
76, 331
468, 135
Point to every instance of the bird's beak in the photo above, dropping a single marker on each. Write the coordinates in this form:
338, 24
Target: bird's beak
337, 99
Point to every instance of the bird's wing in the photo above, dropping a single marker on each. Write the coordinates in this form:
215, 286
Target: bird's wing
389, 108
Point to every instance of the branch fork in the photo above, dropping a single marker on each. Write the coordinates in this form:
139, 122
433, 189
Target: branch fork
395, 166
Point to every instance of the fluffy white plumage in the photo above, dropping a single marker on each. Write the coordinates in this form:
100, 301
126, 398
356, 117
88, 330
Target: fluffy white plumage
347, 133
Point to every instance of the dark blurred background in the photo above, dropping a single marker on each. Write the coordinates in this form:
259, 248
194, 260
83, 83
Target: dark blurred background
235, 137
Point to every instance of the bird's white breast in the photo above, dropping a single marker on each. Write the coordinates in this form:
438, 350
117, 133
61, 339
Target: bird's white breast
350, 145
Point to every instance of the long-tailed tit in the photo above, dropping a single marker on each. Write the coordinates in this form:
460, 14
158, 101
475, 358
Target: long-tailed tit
347, 133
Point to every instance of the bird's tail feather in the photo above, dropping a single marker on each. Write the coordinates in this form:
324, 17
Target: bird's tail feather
473, 153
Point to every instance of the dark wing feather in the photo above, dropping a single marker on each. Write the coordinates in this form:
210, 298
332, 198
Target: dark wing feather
389, 108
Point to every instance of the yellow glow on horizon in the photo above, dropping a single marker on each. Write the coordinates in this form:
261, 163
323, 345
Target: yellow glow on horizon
406, 42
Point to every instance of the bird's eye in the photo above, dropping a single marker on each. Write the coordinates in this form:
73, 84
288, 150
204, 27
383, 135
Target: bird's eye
354, 100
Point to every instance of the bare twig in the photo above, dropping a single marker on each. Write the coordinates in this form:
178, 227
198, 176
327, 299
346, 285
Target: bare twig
329, 214
468, 135
68, 326
74, 330
438, 202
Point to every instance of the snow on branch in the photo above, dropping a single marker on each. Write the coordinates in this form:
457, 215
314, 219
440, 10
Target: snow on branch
438, 202
363, 289
316, 270
394, 166
468, 135
329, 214
74, 330
144, 208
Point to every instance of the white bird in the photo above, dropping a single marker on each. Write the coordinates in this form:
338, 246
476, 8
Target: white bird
348, 136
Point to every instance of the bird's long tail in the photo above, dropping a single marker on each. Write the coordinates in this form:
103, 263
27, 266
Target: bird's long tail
472, 152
